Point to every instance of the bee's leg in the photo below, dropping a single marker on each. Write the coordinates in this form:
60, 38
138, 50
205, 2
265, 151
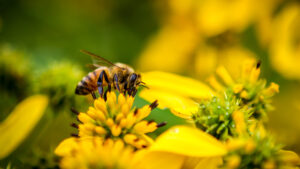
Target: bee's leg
130, 91
105, 95
108, 82
93, 95
116, 82
134, 90
125, 87
100, 82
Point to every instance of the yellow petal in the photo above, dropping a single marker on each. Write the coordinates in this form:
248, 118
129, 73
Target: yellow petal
64, 148
188, 141
224, 75
176, 84
284, 52
179, 105
154, 160
170, 49
20, 122
213, 82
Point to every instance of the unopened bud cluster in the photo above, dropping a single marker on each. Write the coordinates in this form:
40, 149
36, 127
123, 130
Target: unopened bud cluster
115, 118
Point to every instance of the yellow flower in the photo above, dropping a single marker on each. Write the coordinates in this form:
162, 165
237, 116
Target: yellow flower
180, 93
178, 147
115, 118
217, 16
87, 153
247, 87
20, 123
264, 18
232, 110
183, 43
213, 17
285, 44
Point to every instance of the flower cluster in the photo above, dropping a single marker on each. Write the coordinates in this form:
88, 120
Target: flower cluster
85, 153
114, 118
110, 134
234, 114
258, 151
228, 129
222, 118
237, 105
248, 88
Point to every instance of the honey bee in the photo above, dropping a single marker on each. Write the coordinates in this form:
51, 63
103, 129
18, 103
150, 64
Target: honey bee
119, 76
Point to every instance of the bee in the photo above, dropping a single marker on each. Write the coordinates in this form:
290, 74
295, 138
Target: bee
119, 76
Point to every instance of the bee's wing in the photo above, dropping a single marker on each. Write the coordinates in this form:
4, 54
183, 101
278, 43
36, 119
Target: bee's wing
93, 66
98, 60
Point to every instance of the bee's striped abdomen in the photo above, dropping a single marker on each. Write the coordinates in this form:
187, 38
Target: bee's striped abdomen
88, 84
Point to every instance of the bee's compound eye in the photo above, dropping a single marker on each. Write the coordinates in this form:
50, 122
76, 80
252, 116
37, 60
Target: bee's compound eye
133, 77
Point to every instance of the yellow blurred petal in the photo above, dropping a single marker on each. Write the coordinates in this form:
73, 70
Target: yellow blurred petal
234, 144
217, 16
234, 58
180, 7
265, 11
177, 84
224, 75
285, 48
188, 141
164, 160
289, 157
170, 49
65, 147
206, 60
20, 122
179, 105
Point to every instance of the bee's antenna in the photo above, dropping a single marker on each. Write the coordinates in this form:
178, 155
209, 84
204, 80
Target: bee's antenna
144, 86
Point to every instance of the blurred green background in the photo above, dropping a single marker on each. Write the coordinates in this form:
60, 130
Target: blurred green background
40, 43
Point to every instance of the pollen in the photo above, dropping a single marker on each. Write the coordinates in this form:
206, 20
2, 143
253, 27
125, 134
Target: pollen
116, 118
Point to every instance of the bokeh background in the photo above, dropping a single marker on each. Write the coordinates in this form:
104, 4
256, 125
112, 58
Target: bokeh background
40, 43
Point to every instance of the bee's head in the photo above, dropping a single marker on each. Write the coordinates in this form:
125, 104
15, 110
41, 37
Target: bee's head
135, 80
